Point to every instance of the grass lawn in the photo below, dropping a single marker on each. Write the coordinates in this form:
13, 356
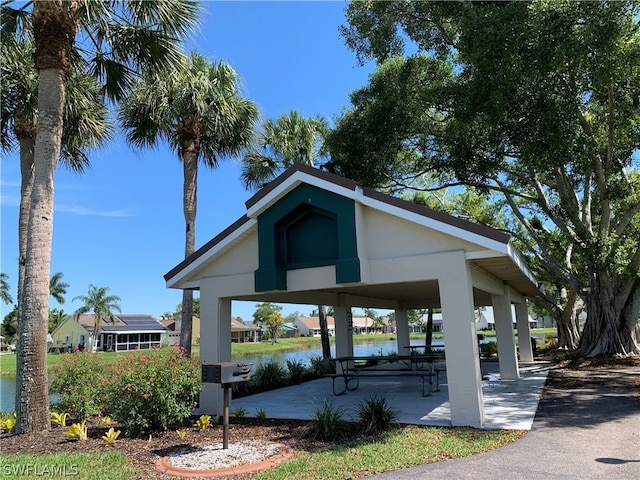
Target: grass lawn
85, 466
397, 449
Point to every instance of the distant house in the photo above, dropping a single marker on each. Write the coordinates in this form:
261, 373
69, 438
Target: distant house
173, 327
241, 333
366, 325
128, 332
420, 326
310, 326
486, 320
288, 330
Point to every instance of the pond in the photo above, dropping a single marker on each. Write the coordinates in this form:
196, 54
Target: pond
373, 347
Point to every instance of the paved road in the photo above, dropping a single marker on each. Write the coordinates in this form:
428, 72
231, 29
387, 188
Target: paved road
587, 426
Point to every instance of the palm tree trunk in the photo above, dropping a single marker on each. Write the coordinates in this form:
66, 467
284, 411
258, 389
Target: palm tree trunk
190, 166
32, 386
27, 145
428, 338
324, 332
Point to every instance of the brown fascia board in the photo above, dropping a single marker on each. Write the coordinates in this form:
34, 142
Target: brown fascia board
476, 228
300, 167
206, 247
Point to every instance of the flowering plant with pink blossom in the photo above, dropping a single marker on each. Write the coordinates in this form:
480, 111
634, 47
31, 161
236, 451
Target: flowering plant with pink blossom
152, 389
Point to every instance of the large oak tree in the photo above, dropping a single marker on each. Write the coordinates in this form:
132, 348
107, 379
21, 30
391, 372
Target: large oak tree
536, 103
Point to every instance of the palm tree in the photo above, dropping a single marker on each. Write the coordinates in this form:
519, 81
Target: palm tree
5, 296
197, 108
86, 126
288, 139
101, 305
119, 37
56, 317
58, 288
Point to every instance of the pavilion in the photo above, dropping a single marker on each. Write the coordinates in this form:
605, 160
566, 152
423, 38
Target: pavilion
311, 237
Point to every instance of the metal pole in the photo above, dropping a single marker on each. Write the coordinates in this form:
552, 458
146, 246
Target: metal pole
225, 420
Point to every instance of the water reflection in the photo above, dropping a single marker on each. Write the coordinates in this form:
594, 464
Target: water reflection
384, 347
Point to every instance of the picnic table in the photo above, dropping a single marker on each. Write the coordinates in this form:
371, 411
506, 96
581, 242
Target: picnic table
349, 370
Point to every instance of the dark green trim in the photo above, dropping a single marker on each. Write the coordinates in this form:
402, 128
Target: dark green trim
308, 227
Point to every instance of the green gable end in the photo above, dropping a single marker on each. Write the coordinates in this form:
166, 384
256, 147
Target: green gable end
308, 227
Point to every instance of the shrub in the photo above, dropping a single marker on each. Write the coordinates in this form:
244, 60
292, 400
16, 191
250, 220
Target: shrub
59, 419
152, 389
261, 414
268, 376
326, 422
111, 436
77, 431
203, 422
489, 349
322, 366
375, 415
239, 412
7, 422
78, 380
296, 370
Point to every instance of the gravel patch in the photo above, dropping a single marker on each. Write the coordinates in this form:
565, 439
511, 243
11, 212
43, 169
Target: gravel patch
214, 457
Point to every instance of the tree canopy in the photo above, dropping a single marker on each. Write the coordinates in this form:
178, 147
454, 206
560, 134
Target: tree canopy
535, 103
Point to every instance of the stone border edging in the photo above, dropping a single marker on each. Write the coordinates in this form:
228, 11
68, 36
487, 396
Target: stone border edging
285, 454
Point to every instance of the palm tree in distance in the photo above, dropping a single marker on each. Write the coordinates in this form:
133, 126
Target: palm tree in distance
288, 139
117, 39
102, 305
197, 108
5, 296
58, 288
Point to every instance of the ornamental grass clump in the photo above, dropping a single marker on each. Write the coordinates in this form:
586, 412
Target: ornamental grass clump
327, 422
268, 376
297, 371
152, 389
78, 380
375, 415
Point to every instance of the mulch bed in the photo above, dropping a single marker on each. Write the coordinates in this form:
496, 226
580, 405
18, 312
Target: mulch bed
145, 450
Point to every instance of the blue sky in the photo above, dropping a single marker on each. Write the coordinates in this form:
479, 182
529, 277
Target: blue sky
120, 225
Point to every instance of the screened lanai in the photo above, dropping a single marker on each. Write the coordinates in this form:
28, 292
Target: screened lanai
314, 238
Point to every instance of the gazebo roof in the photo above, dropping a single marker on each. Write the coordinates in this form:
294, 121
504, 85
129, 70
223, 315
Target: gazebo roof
489, 251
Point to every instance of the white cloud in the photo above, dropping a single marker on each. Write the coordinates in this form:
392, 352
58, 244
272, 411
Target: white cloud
9, 200
78, 210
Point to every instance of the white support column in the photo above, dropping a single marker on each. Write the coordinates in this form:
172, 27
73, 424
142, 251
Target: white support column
344, 331
461, 342
524, 333
507, 358
402, 331
215, 344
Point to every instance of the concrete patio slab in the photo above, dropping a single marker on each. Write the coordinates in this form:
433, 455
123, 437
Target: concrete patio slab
509, 404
